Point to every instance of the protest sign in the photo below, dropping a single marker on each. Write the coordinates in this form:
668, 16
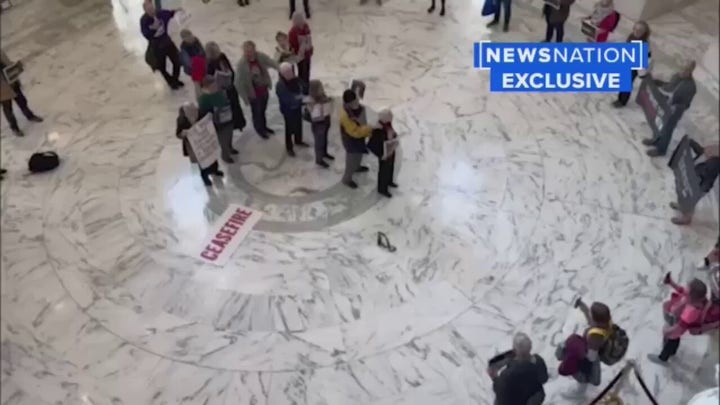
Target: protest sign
204, 141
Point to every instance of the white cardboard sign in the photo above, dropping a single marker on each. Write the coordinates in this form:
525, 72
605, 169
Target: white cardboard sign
226, 234
204, 141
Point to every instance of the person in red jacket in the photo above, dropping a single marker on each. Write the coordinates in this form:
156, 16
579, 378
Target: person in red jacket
301, 45
605, 18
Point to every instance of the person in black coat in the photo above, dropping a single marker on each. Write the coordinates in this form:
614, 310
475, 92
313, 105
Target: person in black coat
218, 62
386, 157
708, 171
187, 117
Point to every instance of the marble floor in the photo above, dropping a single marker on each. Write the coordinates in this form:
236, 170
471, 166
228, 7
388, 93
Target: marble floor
510, 205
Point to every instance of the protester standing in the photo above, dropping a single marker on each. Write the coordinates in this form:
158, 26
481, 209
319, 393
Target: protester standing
442, 7
682, 89
640, 32
353, 130
253, 84
386, 158
300, 40
708, 171
187, 117
289, 91
519, 379
154, 27
596, 335
193, 59
555, 19
306, 6
505, 5
219, 65
320, 106
283, 53
213, 101
605, 18
10, 92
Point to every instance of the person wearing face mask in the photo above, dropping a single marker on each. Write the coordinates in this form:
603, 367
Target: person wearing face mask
253, 84
555, 19
682, 90
354, 131
154, 26
641, 32
213, 101
192, 56
605, 18
289, 91
187, 117
219, 66
301, 45
386, 158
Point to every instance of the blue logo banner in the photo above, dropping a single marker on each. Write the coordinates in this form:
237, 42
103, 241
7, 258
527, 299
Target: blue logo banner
560, 67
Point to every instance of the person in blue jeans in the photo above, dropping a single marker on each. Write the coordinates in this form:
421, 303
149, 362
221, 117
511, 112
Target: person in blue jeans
505, 5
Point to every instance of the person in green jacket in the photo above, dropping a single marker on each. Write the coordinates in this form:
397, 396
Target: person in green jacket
213, 101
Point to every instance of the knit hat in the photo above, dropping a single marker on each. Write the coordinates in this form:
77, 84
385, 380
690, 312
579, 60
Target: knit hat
349, 96
574, 351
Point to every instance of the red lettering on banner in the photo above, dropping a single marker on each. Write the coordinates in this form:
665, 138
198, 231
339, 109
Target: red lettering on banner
229, 229
209, 255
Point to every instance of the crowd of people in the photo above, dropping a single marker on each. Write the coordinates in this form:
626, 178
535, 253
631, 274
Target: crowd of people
518, 375
219, 89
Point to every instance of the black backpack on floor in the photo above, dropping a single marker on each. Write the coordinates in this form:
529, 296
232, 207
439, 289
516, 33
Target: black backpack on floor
43, 162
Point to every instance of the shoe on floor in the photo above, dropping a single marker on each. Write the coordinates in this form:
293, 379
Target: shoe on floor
654, 153
234, 151
322, 164
506, 28
442, 12
362, 169
431, 9
302, 144
207, 182
648, 141
229, 160
35, 118
393, 185
492, 24
618, 104
329, 157
674, 205
656, 359
18, 132
681, 220
385, 194
263, 136
219, 173
270, 131
351, 184
291, 153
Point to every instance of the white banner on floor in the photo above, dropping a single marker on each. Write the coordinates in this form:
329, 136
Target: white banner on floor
204, 141
226, 234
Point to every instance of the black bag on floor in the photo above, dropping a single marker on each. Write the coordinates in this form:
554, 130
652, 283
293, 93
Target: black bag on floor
43, 162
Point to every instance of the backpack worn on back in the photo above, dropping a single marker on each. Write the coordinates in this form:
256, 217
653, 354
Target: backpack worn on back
43, 162
615, 346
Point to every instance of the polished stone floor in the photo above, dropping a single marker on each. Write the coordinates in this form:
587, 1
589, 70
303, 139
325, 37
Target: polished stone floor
510, 206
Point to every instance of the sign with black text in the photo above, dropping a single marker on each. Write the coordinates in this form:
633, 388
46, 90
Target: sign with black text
654, 105
687, 182
204, 141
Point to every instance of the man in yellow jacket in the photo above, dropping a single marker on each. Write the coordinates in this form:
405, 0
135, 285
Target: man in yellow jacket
354, 131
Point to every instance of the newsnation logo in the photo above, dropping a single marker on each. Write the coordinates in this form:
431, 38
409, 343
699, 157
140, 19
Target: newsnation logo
560, 67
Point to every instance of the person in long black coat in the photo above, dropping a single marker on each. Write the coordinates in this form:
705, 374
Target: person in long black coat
217, 61
187, 116
386, 161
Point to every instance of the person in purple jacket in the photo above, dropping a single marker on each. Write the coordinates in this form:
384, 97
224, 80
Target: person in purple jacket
154, 27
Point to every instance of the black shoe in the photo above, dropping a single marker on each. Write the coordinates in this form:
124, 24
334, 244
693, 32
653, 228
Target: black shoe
362, 169
291, 153
648, 141
506, 27
307, 15
3, 171
442, 12
393, 185
351, 184
174, 86
492, 23
385, 194
219, 173
17, 131
229, 160
302, 144
270, 131
263, 136
234, 151
545, 41
35, 118
431, 9
618, 104
329, 156
322, 164
207, 182
654, 153
179, 84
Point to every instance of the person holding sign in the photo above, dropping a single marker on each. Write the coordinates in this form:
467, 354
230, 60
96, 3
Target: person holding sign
601, 22
289, 91
383, 143
707, 172
640, 32
354, 130
213, 101
11, 90
154, 27
320, 108
682, 90
556, 12
187, 117
218, 66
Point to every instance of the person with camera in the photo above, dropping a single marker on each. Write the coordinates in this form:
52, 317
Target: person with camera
12, 91
518, 375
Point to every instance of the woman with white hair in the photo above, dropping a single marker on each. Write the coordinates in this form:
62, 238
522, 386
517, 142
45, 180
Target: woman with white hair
289, 91
319, 107
301, 45
605, 18
382, 144
519, 376
218, 66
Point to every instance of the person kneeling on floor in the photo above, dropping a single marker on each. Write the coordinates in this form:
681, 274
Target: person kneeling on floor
381, 144
187, 117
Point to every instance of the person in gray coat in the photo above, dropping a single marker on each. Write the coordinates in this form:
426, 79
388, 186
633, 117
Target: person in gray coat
682, 90
555, 19
253, 83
